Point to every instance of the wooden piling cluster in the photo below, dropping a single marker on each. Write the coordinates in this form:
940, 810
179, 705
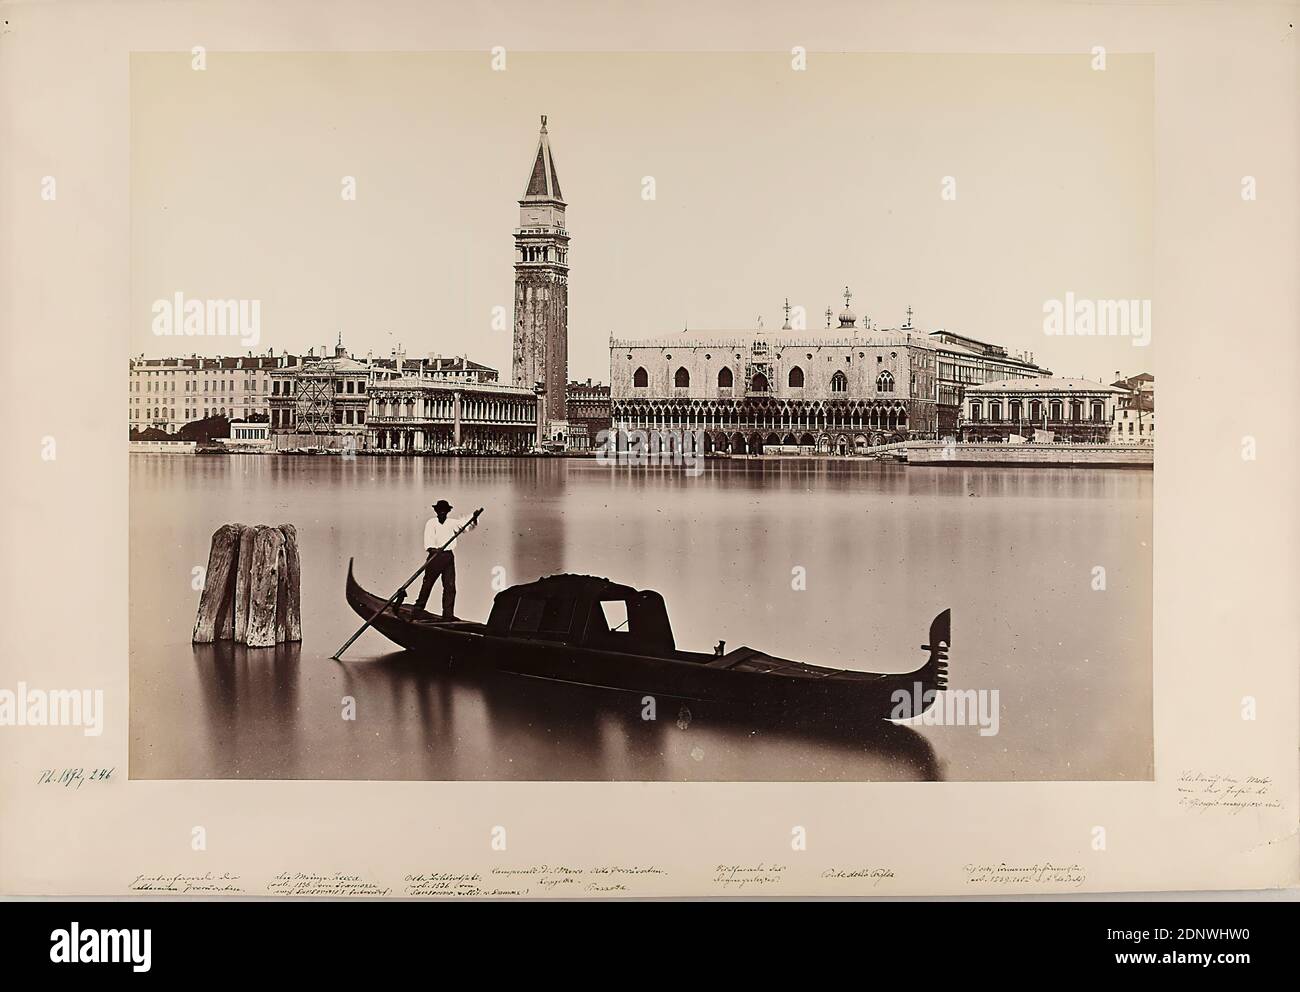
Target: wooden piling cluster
251, 593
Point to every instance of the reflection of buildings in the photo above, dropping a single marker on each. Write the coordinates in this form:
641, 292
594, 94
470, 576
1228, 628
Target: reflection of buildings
966, 362
1072, 409
750, 393
1135, 410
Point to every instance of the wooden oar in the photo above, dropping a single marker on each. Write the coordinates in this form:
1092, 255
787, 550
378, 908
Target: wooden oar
393, 598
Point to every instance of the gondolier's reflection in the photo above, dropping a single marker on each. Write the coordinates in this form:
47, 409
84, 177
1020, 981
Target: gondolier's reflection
442, 563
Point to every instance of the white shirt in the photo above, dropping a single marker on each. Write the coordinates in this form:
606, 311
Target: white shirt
437, 534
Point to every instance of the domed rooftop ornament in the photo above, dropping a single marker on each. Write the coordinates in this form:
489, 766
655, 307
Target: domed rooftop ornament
847, 317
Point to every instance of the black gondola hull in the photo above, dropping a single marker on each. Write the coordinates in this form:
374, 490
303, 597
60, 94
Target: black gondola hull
683, 676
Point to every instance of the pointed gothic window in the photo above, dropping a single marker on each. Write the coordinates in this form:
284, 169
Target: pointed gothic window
759, 383
682, 379
839, 383
640, 379
795, 380
884, 382
724, 378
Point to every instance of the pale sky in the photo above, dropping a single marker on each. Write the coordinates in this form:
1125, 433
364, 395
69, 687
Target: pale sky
769, 183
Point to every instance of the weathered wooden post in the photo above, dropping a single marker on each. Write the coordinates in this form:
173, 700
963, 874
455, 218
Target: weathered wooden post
293, 584
243, 577
252, 590
215, 620
266, 587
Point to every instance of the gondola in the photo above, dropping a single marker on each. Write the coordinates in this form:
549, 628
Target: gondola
590, 631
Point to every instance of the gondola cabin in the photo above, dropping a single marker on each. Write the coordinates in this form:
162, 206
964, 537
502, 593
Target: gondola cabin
583, 611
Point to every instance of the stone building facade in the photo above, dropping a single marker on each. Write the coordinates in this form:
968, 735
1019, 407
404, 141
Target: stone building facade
586, 407
451, 367
1075, 410
1135, 410
167, 393
327, 402
418, 414
965, 361
835, 392
325, 397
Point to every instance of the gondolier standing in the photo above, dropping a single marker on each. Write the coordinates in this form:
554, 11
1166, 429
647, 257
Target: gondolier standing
442, 564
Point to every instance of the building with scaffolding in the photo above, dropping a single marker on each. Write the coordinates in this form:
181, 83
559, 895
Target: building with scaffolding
325, 401
322, 401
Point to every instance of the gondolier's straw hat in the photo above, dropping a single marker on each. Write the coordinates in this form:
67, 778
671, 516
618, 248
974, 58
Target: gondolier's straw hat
443, 506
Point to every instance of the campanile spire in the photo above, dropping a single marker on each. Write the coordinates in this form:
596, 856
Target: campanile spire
541, 333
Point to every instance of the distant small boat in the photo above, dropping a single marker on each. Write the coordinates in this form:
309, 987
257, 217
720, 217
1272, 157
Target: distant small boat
559, 628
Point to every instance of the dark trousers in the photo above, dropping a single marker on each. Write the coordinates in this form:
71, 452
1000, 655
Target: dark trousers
442, 564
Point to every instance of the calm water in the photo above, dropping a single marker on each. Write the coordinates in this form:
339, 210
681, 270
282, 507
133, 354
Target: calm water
885, 547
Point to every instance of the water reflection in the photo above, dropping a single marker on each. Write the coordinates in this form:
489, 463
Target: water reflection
884, 548
250, 698
441, 723
608, 735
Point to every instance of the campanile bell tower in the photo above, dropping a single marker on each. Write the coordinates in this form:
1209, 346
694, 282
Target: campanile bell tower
541, 345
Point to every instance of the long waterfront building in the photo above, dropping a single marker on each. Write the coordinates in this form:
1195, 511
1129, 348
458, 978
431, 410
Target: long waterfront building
417, 414
340, 400
1075, 410
167, 393
751, 392
965, 361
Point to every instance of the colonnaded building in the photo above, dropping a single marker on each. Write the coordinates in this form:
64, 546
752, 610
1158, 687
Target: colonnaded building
837, 392
1066, 410
426, 413
964, 362
402, 404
